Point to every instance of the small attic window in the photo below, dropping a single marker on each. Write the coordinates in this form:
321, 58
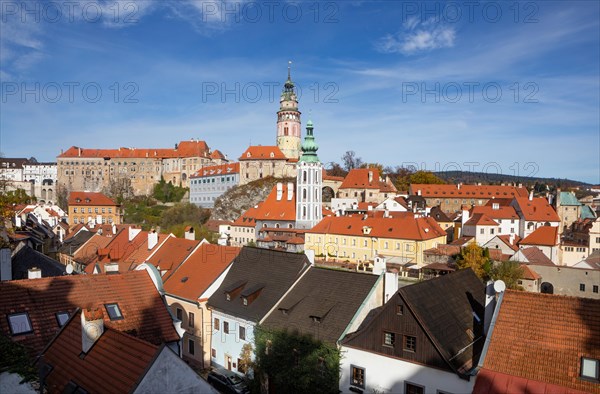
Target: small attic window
272, 154
19, 323
184, 279
248, 154
114, 312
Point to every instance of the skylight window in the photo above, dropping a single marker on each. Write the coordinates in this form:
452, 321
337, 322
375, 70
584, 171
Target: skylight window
114, 312
590, 368
61, 318
19, 323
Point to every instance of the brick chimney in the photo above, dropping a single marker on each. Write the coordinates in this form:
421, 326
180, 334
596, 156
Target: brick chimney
290, 191
279, 191
370, 176
92, 327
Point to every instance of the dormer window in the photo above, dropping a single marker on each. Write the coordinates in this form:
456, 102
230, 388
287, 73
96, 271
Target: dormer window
248, 154
272, 154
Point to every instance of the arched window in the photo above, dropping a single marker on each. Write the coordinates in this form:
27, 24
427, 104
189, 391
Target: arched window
303, 212
303, 194
304, 176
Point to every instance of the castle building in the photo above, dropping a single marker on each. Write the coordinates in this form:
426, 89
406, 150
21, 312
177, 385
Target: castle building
309, 183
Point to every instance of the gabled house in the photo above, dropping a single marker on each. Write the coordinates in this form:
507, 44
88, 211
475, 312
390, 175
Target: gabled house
542, 343
28, 263
366, 185
544, 238
86, 357
506, 244
427, 338
187, 291
533, 214
255, 283
33, 311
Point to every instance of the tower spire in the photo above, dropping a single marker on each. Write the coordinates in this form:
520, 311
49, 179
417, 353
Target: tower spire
289, 70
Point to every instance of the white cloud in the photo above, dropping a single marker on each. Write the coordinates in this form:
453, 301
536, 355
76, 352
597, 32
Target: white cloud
417, 36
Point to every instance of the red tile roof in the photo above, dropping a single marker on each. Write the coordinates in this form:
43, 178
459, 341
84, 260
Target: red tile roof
171, 254
89, 198
88, 252
535, 256
537, 210
480, 219
506, 239
467, 191
116, 358
502, 212
200, 270
184, 149
490, 382
223, 169
528, 273
144, 311
543, 337
358, 178
259, 152
327, 177
542, 236
216, 154
402, 227
272, 208
141, 254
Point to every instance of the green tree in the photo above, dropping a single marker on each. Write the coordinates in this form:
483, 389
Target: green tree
184, 213
425, 177
510, 272
473, 256
295, 363
167, 192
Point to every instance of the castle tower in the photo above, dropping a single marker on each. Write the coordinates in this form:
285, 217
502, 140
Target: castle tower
288, 120
309, 183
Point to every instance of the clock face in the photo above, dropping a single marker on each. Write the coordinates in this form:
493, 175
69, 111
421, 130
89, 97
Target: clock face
92, 331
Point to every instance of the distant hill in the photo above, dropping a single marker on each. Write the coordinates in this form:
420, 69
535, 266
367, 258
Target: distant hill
476, 177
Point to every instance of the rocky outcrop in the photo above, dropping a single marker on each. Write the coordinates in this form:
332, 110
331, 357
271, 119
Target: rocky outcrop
236, 201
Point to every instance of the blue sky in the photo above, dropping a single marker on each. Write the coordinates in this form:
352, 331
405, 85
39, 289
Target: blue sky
494, 86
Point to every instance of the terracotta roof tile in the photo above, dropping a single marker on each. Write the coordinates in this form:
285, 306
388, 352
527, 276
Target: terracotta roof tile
467, 191
358, 178
89, 198
184, 149
272, 208
490, 382
144, 311
535, 256
544, 236
222, 169
501, 212
402, 227
172, 254
542, 337
116, 357
481, 219
259, 152
537, 209
141, 254
200, 270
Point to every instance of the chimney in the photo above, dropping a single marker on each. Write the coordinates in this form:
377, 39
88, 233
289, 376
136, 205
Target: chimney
495, 206
152, 239
370, 176
34, 273
290, 191
111, 268
133, 232
5, 264
114, 228
190, 233
531, 195
79, 151
458, 186
279, 191
379, 265
520, 185
465, 215
511, 239
92, 327
310, 254
419, 192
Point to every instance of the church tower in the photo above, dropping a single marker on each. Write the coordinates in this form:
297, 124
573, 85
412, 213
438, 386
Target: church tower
309, 183
288, 120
